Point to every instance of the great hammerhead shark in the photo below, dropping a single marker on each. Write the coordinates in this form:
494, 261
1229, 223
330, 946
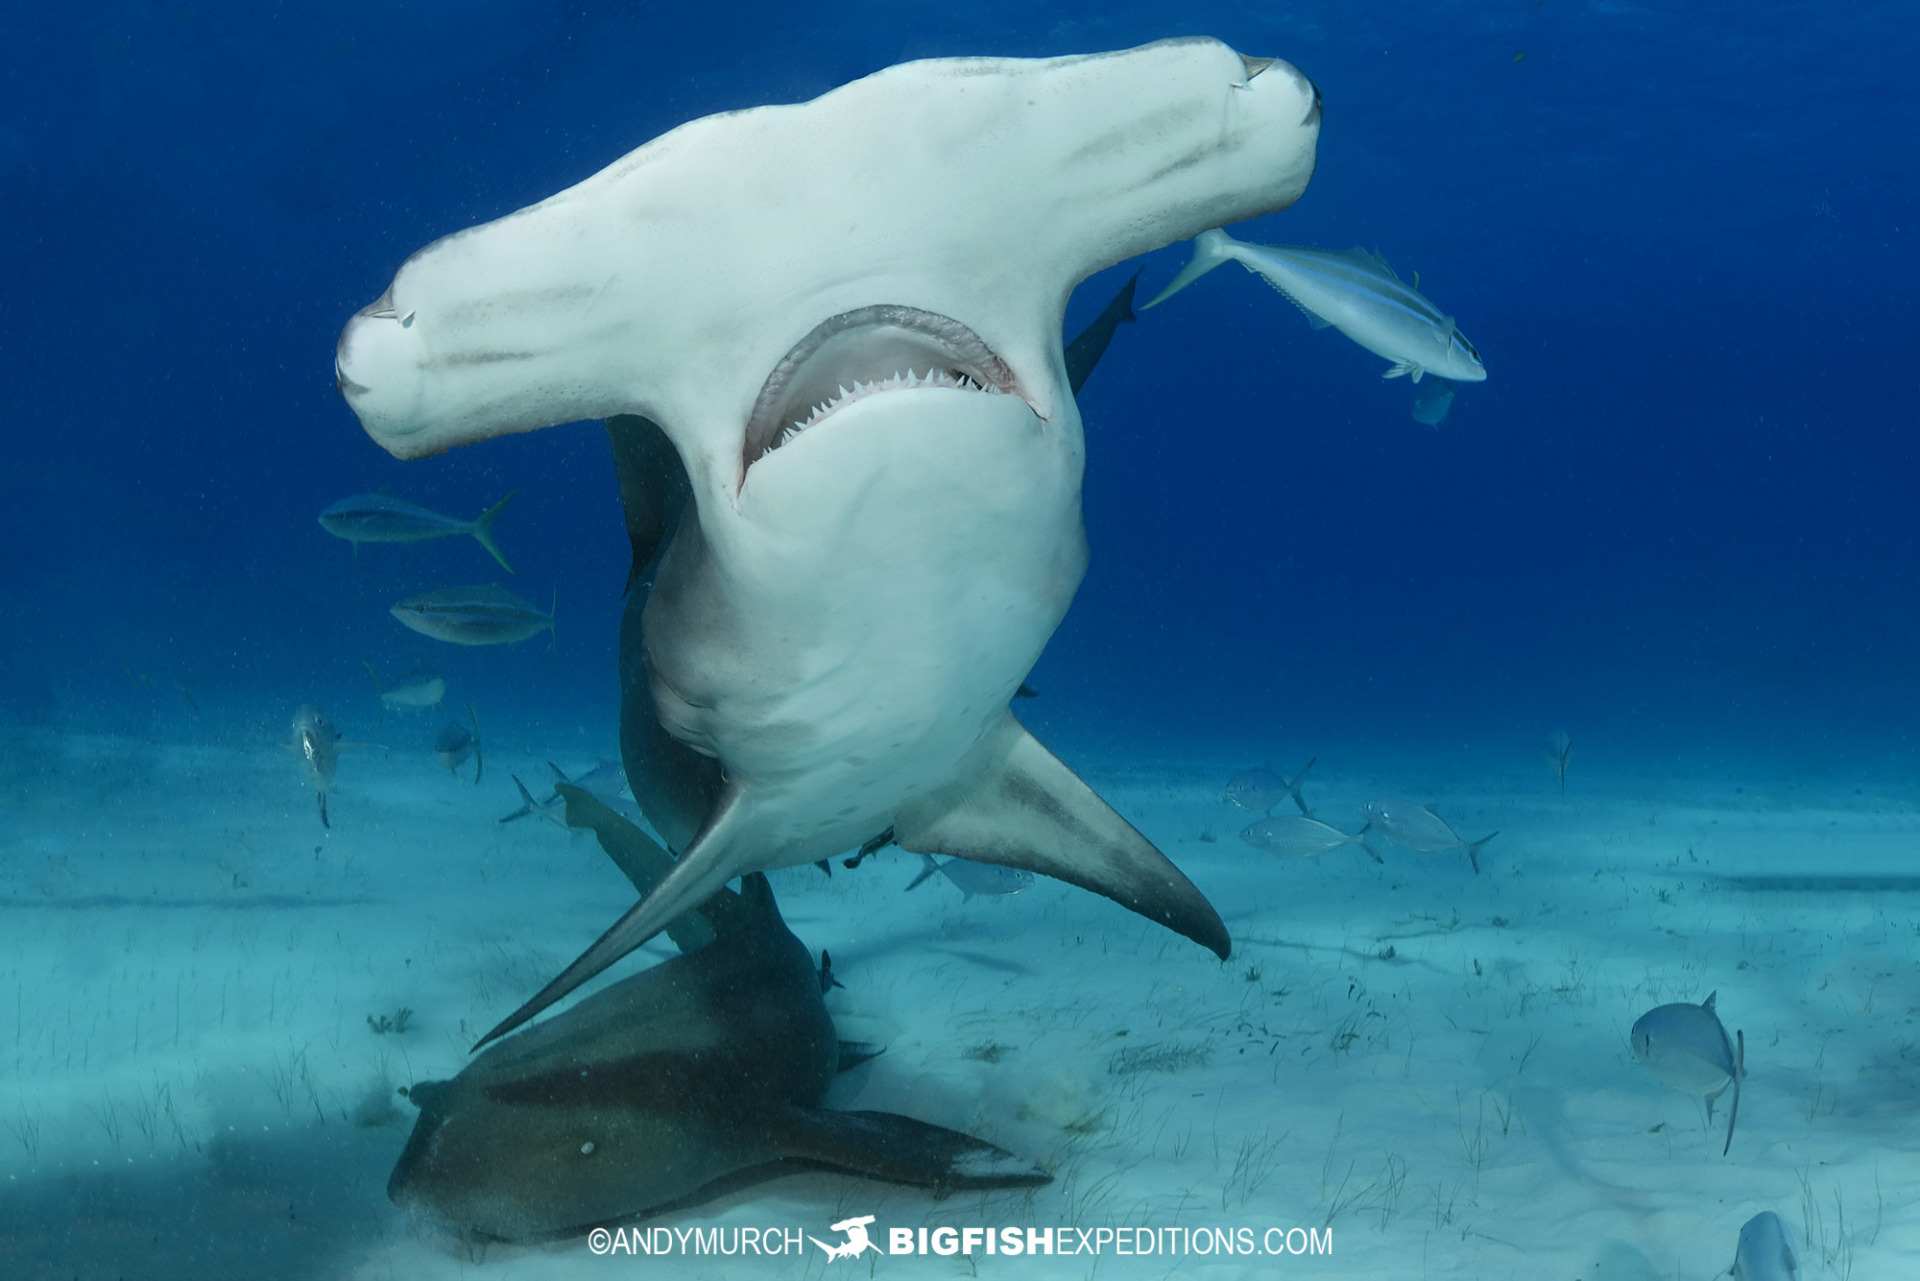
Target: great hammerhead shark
844, 317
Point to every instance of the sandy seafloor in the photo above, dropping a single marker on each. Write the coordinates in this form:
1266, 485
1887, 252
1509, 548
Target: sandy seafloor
1432, 1062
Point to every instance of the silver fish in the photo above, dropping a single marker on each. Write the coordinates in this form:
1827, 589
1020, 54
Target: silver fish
483, 615
453, 745
318, 744
1559, 749
607, 778
1292, 836
1765, 1252
1688, 1047
1261, 789
1418, 828
1354, 292
1433, 402
382, 518
420, 687
986, 880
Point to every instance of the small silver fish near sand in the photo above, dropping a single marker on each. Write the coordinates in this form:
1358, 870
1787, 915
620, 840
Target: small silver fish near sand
1418, 828
975, 880
1260, 789
1687, 1047
1765, 1252
318, 744
422, 686
1294, 836
454, 745
484, 615
383, 518
1354, 292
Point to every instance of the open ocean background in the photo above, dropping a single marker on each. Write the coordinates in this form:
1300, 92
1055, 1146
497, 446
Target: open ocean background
1678, 516
1680, 520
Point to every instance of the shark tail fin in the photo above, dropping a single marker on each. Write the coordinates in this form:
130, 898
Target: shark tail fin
1739, 1071
482, 530
479, 763
1021, 807
1210, 249
1473, 851
929, 866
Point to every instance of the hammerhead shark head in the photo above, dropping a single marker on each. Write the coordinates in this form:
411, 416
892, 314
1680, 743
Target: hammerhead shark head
843, 319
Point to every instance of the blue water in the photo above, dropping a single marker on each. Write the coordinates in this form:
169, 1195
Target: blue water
1678, 518
1678, 508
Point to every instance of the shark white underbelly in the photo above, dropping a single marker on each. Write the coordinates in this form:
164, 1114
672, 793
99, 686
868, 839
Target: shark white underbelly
954, 544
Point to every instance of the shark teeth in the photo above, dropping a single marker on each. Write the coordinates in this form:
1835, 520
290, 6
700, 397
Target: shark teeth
944, 378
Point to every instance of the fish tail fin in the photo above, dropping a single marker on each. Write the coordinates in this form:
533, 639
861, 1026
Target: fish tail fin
928, 866
1473, 851
559, 774
1210, 249
1293, 788
482, 530
527, 803
322, 797
378, 692
479, 762
1367, 845
1739, 1070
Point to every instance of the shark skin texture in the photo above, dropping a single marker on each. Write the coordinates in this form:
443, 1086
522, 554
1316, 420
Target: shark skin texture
844, 316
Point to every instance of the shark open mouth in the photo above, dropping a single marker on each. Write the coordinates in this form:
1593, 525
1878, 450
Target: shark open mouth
864, 353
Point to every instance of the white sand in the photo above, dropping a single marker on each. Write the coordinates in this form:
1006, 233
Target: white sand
1434, 1063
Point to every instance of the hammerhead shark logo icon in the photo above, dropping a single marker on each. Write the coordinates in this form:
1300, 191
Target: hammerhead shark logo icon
857, 1242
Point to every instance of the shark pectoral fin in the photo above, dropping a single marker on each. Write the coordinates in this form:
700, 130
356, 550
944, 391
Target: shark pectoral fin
706, 867
637, 856
1028, 810
899, 1149
1316, 321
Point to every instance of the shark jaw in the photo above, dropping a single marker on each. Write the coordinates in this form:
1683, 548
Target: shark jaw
871, 351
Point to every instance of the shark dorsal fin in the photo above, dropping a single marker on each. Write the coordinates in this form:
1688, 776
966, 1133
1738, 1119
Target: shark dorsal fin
1707, 1004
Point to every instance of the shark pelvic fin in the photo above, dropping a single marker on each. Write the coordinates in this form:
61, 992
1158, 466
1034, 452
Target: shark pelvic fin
1026, 809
